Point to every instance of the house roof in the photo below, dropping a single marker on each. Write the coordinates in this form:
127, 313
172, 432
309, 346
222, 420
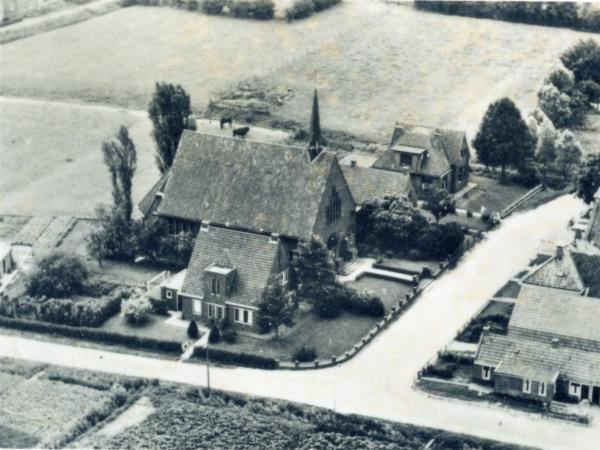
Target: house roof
175, 281
151, 200
250, 185
251, 255
369, 184
560, 273
361, 159
540, 361
444, 147
556, 312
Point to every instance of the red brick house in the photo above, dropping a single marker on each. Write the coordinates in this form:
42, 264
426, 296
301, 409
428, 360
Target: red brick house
432, 157
550, 351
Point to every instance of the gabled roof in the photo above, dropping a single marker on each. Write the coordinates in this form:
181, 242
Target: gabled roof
370, 184
556, 312
537, 360
560, 273
250, 185
444, 148
251, 255
152, 199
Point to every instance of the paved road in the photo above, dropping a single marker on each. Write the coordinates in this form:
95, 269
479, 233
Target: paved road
378, 382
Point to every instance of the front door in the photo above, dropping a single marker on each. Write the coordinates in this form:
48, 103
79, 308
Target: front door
596, 395
585, 391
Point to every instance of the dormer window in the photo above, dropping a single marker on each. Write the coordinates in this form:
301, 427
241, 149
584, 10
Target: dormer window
216, 286
405, 159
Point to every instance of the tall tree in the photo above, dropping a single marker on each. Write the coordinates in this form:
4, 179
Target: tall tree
568, 153
438, 202
316, 139
275, 308
169, 109
313, 269
121, 159
583, 59
503, 138
588, 180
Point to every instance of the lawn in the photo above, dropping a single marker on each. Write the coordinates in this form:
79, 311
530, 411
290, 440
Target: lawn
328, 337
491, 194
390, 292
154, 328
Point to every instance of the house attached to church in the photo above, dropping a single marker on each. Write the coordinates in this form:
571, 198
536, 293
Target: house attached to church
249, 203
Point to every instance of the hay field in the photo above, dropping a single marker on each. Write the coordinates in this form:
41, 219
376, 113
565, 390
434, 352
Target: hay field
395, 63
51, 159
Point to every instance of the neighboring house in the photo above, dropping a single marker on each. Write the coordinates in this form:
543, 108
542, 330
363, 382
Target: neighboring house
592, 233
170, 289
559, 271
432, 157
6, 260
550, 351
228, 273
368, 184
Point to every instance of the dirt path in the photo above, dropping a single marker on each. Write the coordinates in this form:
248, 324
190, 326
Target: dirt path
378, 382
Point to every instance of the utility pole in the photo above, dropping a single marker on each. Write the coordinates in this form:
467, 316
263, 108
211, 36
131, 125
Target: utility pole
207, 369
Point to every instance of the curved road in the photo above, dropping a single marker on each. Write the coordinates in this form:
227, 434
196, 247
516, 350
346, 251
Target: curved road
378, 381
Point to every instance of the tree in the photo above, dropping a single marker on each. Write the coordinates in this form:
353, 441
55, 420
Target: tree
214, 335
562, 80
275, 306
503, 138
192, 330
438, 202
114, 237
316, 139
151, 239
57, 275
121, 159
313, 269
168, 110
136, 309
583, 59
568, 153
588, 180
96, 246
591, 90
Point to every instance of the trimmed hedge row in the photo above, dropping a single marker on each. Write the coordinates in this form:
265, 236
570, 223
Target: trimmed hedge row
302, 9
93, 334
241, 9
238, 359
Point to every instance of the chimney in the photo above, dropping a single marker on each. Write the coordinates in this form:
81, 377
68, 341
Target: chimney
559, 252
555, 342
353, 163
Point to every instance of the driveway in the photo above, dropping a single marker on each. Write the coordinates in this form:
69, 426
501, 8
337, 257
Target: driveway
378, 382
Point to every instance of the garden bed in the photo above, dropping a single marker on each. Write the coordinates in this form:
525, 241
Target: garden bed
155, 327
495, 315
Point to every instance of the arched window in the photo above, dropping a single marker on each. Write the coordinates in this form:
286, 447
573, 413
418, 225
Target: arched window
334, 210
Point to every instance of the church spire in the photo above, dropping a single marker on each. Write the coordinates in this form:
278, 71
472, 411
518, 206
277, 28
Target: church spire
316, 140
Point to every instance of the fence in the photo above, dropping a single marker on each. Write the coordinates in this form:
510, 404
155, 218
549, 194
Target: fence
518, 202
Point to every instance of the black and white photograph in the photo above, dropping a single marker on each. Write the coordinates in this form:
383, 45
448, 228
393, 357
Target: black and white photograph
299, 225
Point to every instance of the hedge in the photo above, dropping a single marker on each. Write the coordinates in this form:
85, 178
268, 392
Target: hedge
302, 9
238, 359
93, 334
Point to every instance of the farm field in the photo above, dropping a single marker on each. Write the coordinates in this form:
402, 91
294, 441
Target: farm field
51, 158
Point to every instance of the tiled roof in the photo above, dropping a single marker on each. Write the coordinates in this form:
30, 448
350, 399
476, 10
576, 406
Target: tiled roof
150, 201
443, 147
361, 159
252, 255
556, 312
537, 360
370, 184
558, 273
250, 185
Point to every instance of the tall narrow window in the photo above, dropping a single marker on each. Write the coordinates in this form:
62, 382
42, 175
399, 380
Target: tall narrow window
542, 389
215, 287
486, 372
526, 386
334, 210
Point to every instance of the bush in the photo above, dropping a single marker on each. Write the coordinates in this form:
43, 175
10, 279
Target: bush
239, 359
215, 335
321, 5
360, 304
229, 336
304, 354
213, 7
192, 330
58, 275
263, 9
136, 309
159, 306
300, 9
440, 370
93, 334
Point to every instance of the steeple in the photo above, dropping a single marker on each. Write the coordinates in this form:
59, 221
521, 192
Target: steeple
315, 145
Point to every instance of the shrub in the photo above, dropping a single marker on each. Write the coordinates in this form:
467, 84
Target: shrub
57, 275
192, 5
304, 354
136, 309
213, 7
240, 359
93, 334
263, 9
300, 9
159, 306
321, 5
215, 335
440, 370
192, 330
229, 335
360, 304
